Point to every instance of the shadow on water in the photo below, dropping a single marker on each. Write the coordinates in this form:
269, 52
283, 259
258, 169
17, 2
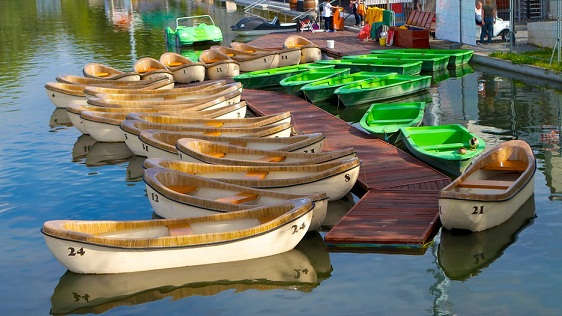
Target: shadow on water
301, 269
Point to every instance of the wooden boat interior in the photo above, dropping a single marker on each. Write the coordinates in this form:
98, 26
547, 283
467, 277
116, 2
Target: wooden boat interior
179, 232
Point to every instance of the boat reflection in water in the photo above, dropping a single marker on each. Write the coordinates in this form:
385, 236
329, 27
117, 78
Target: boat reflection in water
135, 170
464, 254
101, 154
299, 269
460, 71
60, 118
82, 147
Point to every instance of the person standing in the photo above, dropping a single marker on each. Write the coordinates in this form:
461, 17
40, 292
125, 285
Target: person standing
326, 13
354, 5
489, 17
478, 13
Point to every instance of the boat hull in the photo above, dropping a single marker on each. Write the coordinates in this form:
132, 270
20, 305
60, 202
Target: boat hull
457, 57
87, 258
467, 214
398, 66
323, 90
438, 146
384, 120
353, 95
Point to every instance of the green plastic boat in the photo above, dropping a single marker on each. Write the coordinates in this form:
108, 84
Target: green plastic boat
445, 147
429, 62
372, 90
384, 120
271, 77
323, 90
457, 57
294, 83
402, 67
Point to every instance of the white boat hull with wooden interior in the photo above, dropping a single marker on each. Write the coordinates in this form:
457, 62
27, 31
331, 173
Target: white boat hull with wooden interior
310, 52
62, 94
132, 129
101, 71
491, 190
287, 56
75, 110
336, 178
197, 150
106, 127
150, 68
162, 144
218, 65
183, 69
174, 194
101, 247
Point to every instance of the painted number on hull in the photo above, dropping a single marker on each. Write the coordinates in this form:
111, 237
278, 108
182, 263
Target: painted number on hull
297, 228
73, 252
477, 209
154, 197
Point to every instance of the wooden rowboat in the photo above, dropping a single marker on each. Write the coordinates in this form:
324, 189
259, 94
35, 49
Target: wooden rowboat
384, 120
162, 144
271, 77
149, 68
336, 178
218, 65
74, 110
62, 94
284, 117
93, 90
251, 61
129, 246
191, 91
106, 126
491, 190
174, 194
197, 150
401, 67
449, 148
323, 90
376, 89
101, 71
290, 271
183, 69
310, 52
430, 63
463, 255
287, 56
151, 84
132, 128
293, 84
457, 57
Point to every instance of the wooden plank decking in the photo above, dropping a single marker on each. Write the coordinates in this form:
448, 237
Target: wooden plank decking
398, 208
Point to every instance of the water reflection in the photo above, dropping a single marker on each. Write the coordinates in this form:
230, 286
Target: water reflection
60, 118
301, 269
462, 255
100, 154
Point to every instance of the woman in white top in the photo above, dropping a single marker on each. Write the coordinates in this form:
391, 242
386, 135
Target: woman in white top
327, 15
478, 13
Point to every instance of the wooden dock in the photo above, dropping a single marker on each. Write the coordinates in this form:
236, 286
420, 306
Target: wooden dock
398, 208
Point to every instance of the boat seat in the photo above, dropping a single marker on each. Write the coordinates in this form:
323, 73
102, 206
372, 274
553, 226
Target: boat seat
239, 198
214, 124
216, 155
174, 64
101, 74
486, 184
147, 70
449, 146
180, 230
389, 121
272, 158
507, 165
238, 143
214, 133
183, 189
257, 175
